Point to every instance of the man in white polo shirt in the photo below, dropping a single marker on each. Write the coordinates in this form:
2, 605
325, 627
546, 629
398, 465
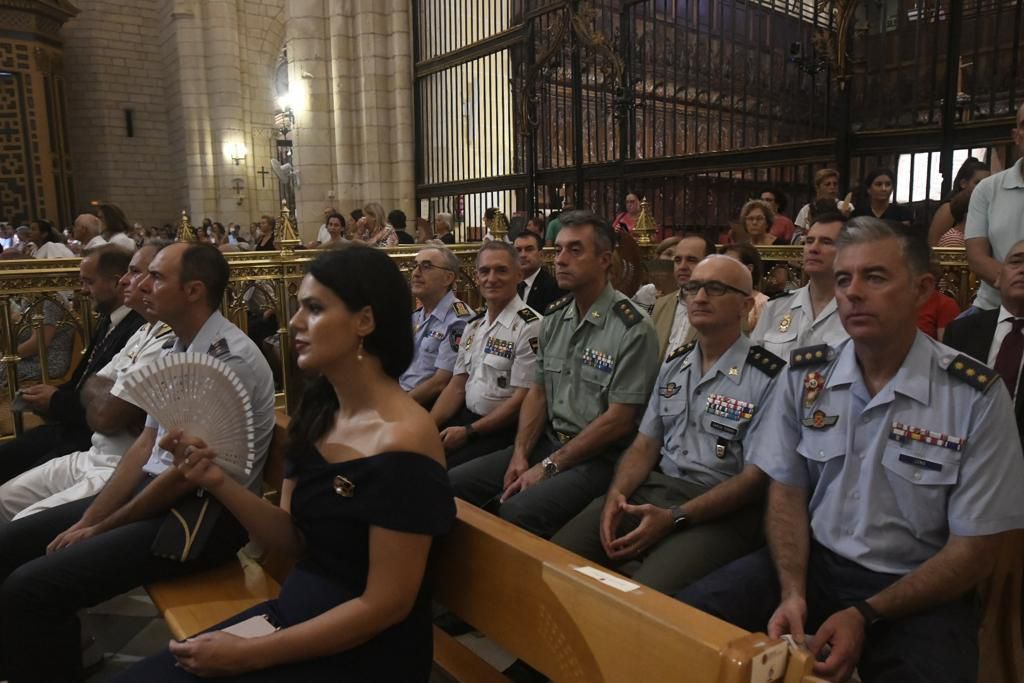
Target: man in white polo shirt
995, 222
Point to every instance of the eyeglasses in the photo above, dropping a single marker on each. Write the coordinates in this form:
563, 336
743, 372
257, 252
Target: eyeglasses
427, 266
711, 287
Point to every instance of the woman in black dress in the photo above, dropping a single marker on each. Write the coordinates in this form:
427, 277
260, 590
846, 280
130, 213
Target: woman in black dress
365, 493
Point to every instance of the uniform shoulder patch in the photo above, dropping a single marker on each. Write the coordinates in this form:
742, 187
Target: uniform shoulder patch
978, 375
461, 309
169, 344
528, 315
627, 312
455, 334
558, 304
681, 351
534, 344
219, 348
765, 361
811, 355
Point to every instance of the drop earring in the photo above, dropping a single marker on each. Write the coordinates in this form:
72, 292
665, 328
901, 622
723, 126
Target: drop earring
359, 351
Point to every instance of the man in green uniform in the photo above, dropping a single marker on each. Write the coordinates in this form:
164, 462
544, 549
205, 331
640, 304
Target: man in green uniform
597, 361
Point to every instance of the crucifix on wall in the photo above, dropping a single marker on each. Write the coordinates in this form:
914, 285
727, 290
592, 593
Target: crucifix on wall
263, 173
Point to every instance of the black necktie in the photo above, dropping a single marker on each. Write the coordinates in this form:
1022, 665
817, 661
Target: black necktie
98, 337
1010, 353
521, 288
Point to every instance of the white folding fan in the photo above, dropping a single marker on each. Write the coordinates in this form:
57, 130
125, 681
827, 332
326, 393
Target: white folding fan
201, 396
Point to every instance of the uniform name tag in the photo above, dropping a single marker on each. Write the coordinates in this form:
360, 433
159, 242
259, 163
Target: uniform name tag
725, 428
920, 462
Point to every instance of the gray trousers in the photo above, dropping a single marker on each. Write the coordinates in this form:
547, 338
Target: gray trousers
680, 558
546, 506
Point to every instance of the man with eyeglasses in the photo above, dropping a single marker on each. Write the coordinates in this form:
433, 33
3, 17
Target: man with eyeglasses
478, 410
437, 324
808, 315
670, 320
595, 367
683, 501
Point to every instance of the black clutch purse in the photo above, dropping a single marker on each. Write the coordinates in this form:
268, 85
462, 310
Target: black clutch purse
187, 527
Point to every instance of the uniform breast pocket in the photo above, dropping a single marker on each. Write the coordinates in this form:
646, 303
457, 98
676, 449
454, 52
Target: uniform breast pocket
775, 340
671, 411
497, 368
920, 477
822, 452
595, 376
430, 345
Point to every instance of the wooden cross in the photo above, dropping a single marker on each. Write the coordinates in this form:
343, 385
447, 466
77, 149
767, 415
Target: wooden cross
263, 173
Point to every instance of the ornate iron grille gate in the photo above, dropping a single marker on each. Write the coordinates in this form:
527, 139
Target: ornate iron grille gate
531, 105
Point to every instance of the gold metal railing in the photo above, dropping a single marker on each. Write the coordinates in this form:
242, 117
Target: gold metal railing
268, 281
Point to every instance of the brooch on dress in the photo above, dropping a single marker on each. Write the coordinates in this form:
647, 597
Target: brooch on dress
344, 487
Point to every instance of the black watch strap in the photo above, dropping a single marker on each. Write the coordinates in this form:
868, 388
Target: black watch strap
870, 614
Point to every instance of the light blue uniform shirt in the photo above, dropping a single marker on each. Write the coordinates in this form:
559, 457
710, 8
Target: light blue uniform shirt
437, 337
224, 341
895, 474
702, 422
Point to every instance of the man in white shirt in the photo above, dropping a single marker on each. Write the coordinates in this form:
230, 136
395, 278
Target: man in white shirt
115, 423
995, 222
87, 229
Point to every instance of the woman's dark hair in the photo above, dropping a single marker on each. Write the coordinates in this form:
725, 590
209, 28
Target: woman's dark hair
967, 170
874, 175
359, 276
748, 255
113, 218
47, 229
335, 214
397, 219
781, 201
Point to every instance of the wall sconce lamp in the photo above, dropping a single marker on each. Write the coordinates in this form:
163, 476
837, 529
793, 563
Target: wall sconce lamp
239, 154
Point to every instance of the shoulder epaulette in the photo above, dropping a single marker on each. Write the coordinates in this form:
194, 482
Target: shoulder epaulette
765, 361
163, 330
978, 375
810, 355
169, 344
528, 315
681, 351
627, 312
477, 316
558, 304
780, 295
461, 309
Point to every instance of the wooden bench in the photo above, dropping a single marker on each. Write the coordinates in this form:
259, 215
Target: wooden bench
526, 595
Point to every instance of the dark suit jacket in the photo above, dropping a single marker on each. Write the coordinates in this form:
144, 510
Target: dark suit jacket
65, 406
973, 335
544, 291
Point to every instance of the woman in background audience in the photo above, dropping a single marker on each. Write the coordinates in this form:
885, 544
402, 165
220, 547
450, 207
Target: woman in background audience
423, 232
398, 220
41, 240
265, 234
365, 493
943, 231
757, 217
116, 228
443, 226
876, 200
939, 310
957, 206
336, 229
749, 256
781, 227
374, 230
826, 188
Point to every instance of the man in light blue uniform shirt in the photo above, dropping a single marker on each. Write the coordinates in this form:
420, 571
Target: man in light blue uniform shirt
895, 467
683, 501
437, 324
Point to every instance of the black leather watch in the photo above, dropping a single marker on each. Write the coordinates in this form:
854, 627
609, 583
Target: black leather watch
870, 614
679, 518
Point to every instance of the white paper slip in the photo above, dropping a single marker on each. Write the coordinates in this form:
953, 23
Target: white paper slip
608, 579
253, 627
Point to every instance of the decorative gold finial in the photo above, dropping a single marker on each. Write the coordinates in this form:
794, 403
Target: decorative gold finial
500, 225
287, 238
644, 229
185, 231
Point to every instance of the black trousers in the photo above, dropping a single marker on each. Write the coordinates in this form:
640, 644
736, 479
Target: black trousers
41, 593
937, 644
484, 444
39, 445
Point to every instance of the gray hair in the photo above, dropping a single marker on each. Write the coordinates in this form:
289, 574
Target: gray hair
451, 261
445, 218
866, 229
498, 245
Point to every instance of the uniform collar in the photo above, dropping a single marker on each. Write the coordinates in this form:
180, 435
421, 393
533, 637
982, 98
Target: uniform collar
913, 379
730, 364
508, 315
802, 299
441, 310
599, 310
207, 334
1014, 176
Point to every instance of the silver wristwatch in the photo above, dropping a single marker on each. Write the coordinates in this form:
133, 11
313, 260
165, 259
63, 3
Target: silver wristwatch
550, 467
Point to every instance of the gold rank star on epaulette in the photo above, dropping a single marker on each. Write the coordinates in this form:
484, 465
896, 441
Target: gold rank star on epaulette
627, 312
461, 309
681, 351
558, 303
810, 355
976, 374
765, 361
527, 314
